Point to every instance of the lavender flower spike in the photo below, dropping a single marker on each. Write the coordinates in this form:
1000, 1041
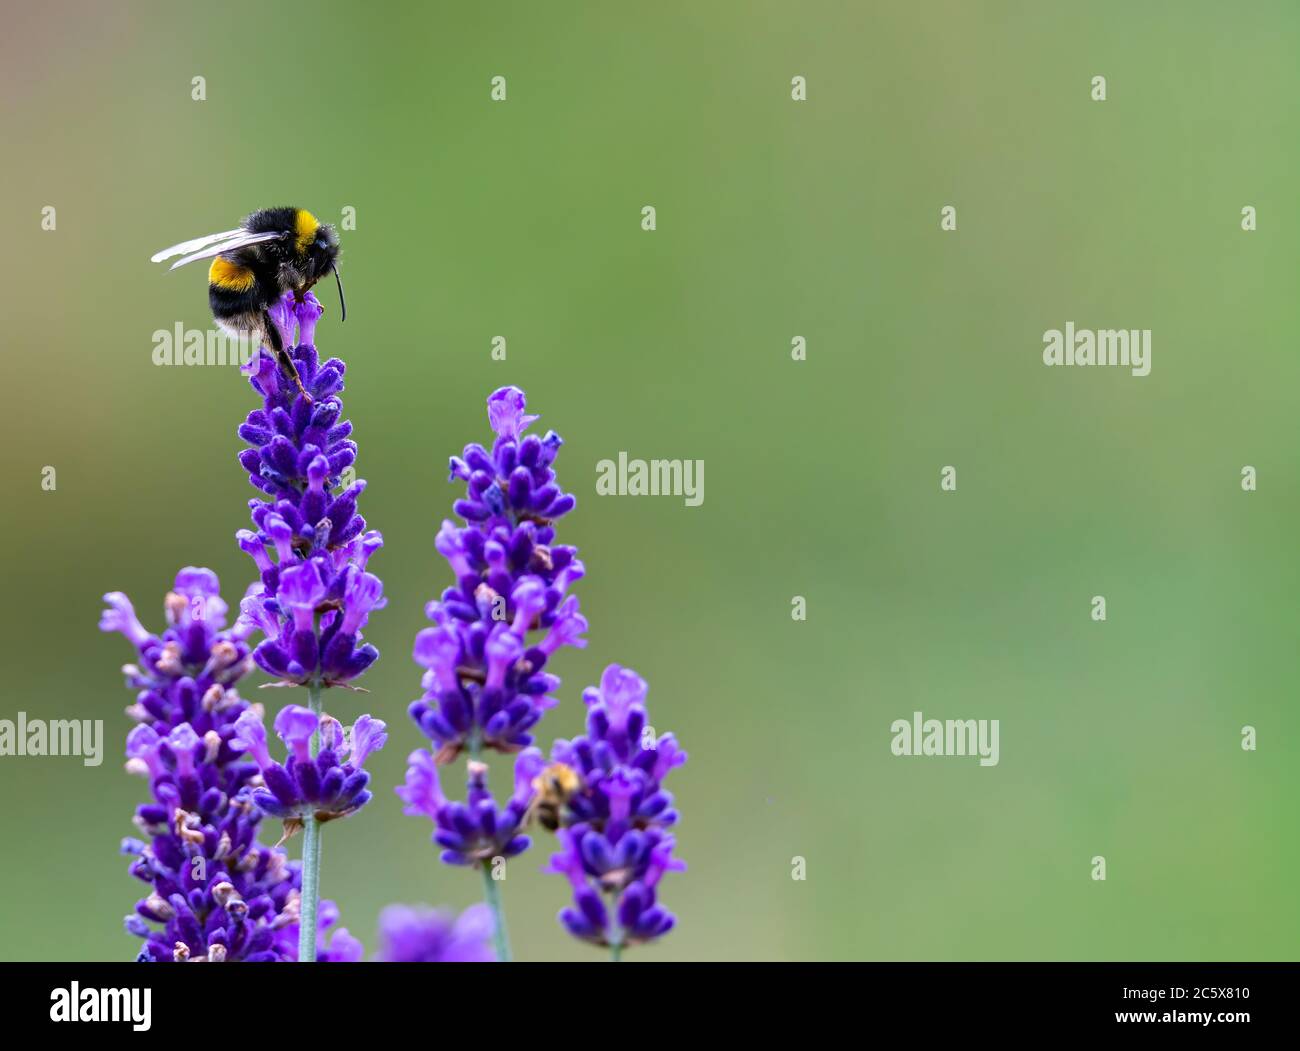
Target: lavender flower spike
486, 685
615, 843
310, 545
311, 548
485, 681
216, 893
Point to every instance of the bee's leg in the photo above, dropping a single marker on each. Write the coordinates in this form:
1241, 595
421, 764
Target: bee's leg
281, 355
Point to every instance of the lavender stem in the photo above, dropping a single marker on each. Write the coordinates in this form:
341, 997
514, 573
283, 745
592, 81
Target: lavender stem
307, 929
492, 895
491, 892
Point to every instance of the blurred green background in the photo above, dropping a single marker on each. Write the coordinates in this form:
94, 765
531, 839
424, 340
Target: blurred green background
775, 219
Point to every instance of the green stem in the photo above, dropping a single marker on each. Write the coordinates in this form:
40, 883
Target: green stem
311, 843
492, 895
491, 892
616, 946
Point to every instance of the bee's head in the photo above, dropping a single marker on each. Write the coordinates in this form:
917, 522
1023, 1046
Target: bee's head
323, 251
319, 243
315, 246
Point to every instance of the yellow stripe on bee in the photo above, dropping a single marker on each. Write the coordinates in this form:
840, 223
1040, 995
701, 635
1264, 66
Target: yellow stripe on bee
305, 226
230, 276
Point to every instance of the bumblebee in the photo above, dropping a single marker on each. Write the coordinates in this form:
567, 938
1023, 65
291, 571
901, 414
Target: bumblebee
552, 789
273, 251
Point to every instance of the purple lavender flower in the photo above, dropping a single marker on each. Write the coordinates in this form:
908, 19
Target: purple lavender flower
217, 894
486, 684
315, 594
476, 831
311, 548
330, 785
615, 844
331, 947
419, 934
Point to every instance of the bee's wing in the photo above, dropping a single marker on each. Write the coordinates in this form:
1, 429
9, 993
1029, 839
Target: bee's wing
190, 246
213, 244
226, 246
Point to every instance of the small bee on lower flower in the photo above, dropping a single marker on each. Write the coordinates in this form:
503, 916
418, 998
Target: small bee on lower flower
273, 251
553, 788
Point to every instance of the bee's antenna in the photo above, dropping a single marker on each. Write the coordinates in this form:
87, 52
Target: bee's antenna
343, 303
